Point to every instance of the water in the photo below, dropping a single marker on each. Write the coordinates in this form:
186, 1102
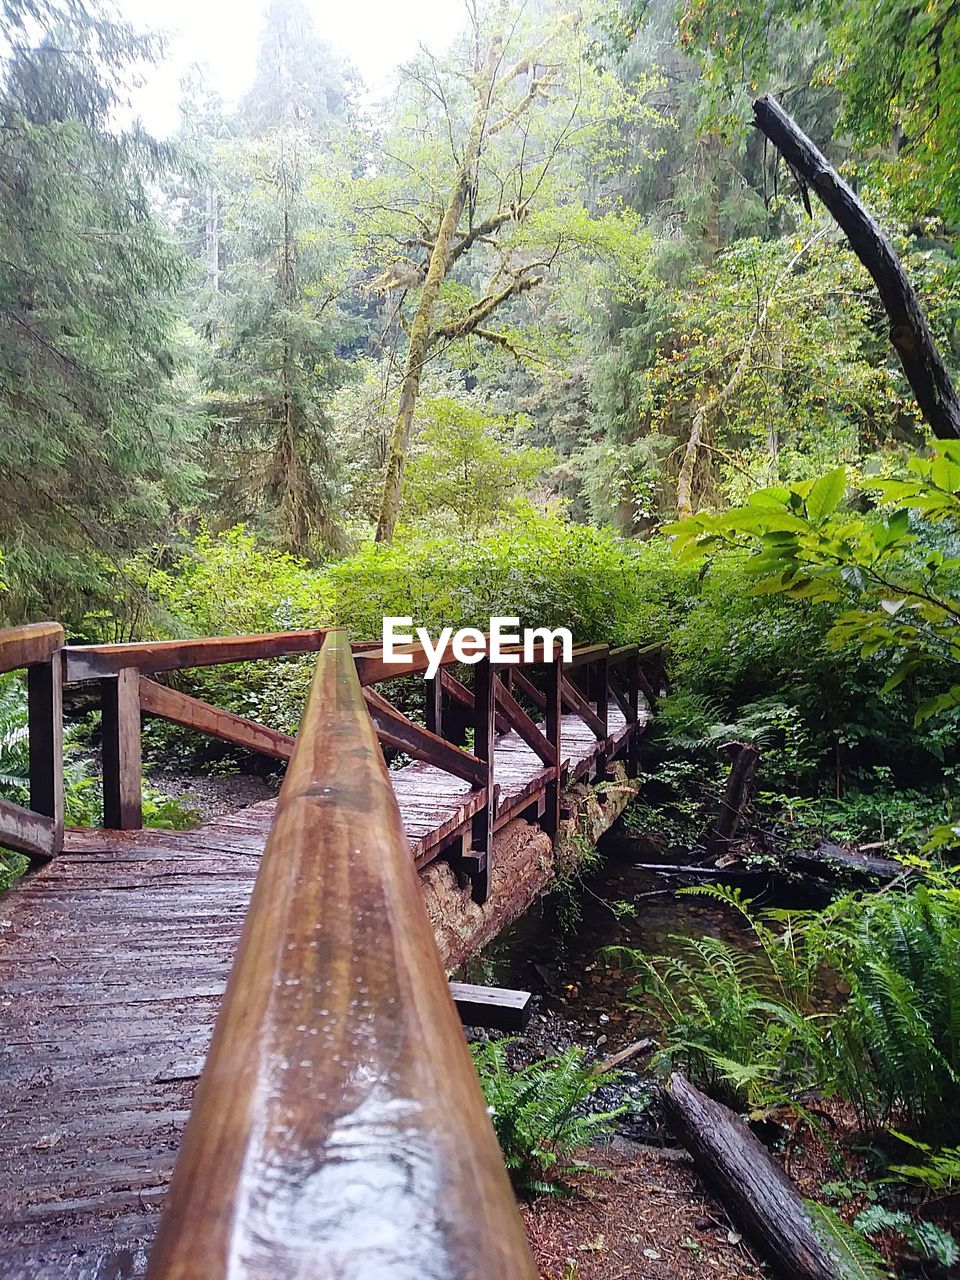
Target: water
581, 994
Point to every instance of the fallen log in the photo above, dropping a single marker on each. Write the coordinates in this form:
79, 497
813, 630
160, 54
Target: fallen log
828, 858
748, 1182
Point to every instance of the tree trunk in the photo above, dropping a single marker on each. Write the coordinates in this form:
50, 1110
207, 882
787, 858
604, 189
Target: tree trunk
748, 1182
736, 797
420, 329
909, 331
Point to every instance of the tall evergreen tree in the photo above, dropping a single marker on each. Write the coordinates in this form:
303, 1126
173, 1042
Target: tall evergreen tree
275, 260
92, 451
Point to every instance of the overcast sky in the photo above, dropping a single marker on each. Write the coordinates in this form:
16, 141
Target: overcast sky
222, 36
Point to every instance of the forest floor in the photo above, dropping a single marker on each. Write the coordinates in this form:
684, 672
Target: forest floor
211, 795
644, 1215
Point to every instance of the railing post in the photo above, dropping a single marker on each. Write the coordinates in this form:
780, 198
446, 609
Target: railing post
434, 709
45, 721
122, 775
601, 701
477, 860
633, 697
554, 725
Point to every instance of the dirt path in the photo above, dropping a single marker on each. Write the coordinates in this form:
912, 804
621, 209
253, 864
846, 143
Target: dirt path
647, 1217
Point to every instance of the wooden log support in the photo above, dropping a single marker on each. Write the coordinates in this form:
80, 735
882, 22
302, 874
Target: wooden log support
600, 689
476, 860
553, 710
749, 1183
338, 1128
99, 661
122, 772
518, 720
496, 1008
398, 731
433, 690
192, 713
909, 331
633, 697
45, 721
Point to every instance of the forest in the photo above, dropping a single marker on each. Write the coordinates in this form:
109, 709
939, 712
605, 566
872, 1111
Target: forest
549, 328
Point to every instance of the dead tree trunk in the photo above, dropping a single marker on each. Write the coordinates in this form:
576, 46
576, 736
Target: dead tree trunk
736, 797
748, 1182
909, 331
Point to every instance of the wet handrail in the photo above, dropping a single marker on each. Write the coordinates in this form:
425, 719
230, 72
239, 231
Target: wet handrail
338, 1128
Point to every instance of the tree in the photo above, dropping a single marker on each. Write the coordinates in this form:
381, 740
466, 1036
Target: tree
276, 264
95, 451
467, 464
472, 188
762, 367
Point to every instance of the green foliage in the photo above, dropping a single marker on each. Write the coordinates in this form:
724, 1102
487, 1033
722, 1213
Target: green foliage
925, 1239
468, 465
895, 66
758, 1027
855, 1258
541, 1114
742, 1023
898, 569
901, 955
939, 1171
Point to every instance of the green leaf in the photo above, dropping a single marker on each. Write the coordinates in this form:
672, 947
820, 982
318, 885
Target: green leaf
935, 706
826, 494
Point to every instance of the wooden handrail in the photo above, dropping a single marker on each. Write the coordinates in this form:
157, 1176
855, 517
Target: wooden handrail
338, 1128
26, 646
100, 661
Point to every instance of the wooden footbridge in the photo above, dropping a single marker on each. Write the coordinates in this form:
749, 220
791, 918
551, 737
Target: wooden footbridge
283, 956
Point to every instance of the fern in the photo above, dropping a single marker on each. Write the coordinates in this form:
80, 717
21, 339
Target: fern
854, 1258
926, 1239
541, 1114
939, 1172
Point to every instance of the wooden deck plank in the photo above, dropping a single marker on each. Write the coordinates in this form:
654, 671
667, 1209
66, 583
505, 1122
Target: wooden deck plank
113, 958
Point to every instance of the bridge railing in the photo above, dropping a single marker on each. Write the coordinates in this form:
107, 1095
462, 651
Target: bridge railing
529, 698
37, 831
127, 693
338, 1128
509, 697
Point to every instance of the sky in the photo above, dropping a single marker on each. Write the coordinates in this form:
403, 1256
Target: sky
222, 36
